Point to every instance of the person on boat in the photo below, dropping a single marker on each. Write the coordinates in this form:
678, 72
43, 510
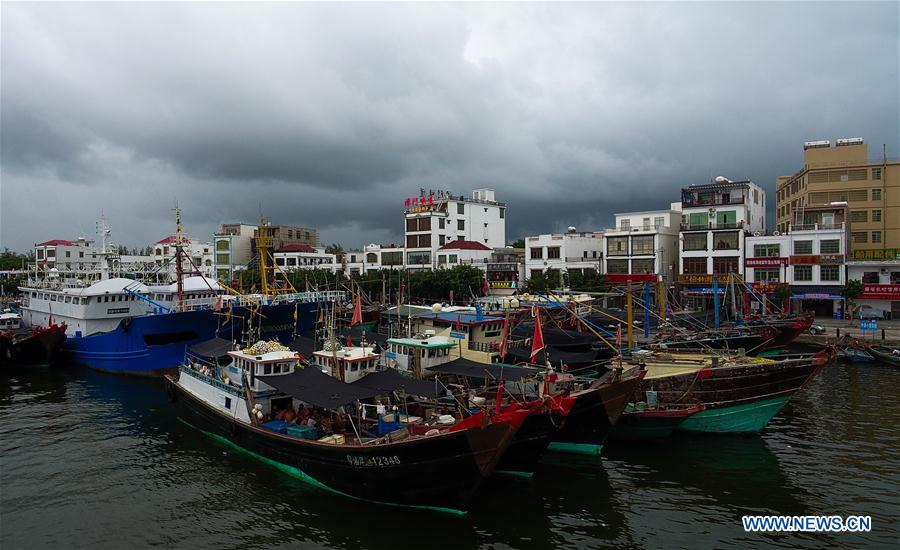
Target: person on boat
289, 415
302, 415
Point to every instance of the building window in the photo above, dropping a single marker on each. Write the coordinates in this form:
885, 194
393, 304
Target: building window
424, 224
441, 222
876, 215
698, 220
725, 265
411, 224
460, 208
442, 259
728, 240
642, 266
829, 273
461, 225
870, 277
831, 246
552, 252
411, 241
858, 195
860, 236
658, 222
803, 247
694, 241
391, 258
418, 258
767, 275
617, 266
766, 250
876, 194
859, 216
536, 253
876, 173
617, 246
441, 239
895, 277
502, 213
695, 266
642, 245
802, 272
453, 258
372, 258
625, 224
876, 236
222, 259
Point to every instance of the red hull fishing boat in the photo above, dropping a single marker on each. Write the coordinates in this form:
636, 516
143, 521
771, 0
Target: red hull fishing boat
29, 346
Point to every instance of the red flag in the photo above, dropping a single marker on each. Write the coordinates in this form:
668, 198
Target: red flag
218, 305
619, 336
349, 341
504, 341
499, 398
357, 312
458, 322
485, 288
537, 343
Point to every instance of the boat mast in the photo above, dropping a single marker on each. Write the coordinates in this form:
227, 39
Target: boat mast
103, 233
263, 244
179, 270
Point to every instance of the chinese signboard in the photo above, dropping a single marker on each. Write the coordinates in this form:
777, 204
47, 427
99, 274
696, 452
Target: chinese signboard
868, 325
765, 262
880, 292
804, 260
818, 260
706, 279
767, 288
503, 284
831, 259
883, 254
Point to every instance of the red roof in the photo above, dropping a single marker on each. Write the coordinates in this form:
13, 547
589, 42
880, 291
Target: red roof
56, 242
171, 240
297, 248
464, 245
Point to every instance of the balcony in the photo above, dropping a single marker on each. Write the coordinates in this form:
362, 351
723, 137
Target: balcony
634, 228
716, 201
814, 227
712, 225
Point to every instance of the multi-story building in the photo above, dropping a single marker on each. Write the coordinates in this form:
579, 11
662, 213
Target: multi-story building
373, 257
809, 257
881, 285
233, 249
563, 252
200, 254
844, 173
715, 219
82, 260
456, 253
435, 218
506, 271
643, 243
296, 257
287, 235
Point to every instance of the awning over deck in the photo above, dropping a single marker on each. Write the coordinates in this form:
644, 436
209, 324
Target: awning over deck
390, 380
485, 371
313, 386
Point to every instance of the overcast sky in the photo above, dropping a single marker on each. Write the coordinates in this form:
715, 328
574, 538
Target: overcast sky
329, 115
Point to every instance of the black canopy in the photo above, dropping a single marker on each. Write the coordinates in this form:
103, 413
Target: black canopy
556, 355
217, 347
474, 369
555, 336
390, 380
356, 334
313, 386
303, 345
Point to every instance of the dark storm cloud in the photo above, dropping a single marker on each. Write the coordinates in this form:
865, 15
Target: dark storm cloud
329, 115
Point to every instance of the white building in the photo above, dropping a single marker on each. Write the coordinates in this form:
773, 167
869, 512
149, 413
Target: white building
810, 258
233, 249
563, 252
373, 257
643, 243
435, 218
881, 281
200, 254
296, 257
715, 219
457, 253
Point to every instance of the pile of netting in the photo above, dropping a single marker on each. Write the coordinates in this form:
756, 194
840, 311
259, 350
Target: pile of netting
262, 347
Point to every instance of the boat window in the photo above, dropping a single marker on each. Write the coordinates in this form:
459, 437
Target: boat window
68, 299
53, 297
227, 402
268, 369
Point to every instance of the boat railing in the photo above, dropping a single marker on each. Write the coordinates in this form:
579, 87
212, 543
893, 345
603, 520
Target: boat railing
212, 381
289, 298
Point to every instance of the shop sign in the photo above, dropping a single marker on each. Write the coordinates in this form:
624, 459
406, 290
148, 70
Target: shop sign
883, 254
707, 279
831, 259
880, 292
804, 260
769, 261
503, 284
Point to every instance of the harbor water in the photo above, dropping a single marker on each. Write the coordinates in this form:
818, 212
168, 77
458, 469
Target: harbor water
89, 460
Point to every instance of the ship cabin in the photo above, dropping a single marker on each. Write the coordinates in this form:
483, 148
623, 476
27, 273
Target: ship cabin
347, 363
420, 352
271, 363
197, 293
10, 321
480, 333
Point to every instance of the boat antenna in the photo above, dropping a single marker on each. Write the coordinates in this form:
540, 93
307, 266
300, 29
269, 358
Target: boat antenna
179, 268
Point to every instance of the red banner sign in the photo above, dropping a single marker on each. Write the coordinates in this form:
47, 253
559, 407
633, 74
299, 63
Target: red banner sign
770, 261
880, 292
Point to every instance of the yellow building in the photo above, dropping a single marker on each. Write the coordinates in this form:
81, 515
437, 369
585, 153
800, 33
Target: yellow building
844, 173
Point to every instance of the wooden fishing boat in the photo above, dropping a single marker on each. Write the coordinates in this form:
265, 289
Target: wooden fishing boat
739, 394
642, 424
751, 339
28, 346
536, 433
884, 354
596, 410
423, 467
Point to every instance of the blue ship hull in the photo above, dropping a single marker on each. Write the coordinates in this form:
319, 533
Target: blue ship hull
152, 344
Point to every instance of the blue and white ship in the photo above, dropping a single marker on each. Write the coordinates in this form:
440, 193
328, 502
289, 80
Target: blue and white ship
125, 326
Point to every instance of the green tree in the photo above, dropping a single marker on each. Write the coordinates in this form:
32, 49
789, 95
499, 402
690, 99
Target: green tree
518, 243
336, 249
850, 291
781, 294
12, 260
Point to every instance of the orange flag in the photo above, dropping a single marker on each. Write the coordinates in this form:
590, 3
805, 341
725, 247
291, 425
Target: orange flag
537, 343
357, 312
